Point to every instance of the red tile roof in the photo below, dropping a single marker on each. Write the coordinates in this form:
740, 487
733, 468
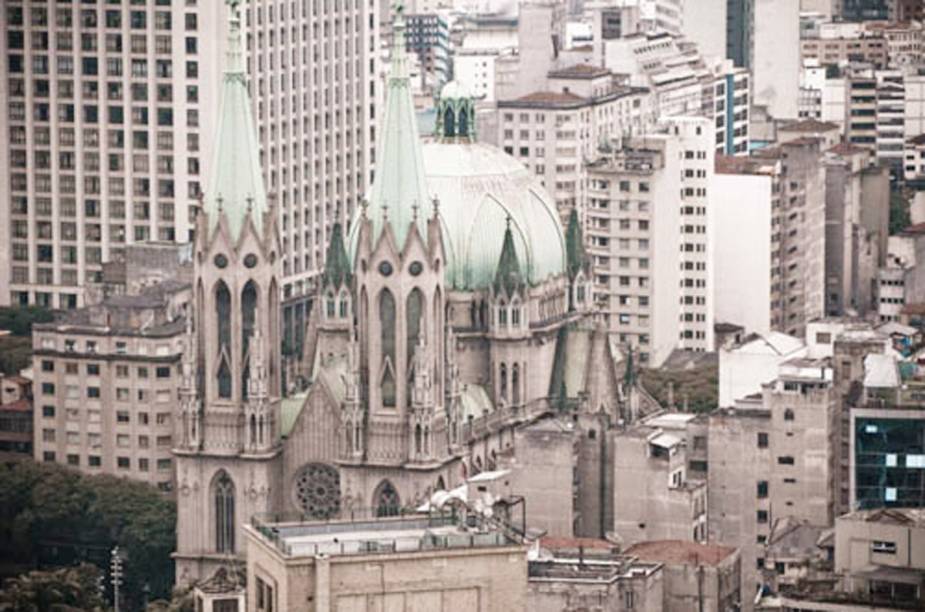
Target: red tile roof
681, 551
809, 125
22, 405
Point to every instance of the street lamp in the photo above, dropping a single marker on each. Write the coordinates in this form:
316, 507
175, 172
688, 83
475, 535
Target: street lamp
116, 576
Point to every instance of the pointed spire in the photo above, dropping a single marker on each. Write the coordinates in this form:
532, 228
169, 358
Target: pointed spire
400, 180
508, 277
576, 259
235, 186
336, 263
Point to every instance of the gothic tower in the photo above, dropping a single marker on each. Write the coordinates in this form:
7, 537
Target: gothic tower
227, 437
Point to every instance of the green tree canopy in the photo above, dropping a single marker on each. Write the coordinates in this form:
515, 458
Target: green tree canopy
50, 515
61, 590
18, 320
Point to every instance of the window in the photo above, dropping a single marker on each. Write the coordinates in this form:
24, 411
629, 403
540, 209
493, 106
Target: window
123, 463
223, 493
762, 516
883, 547
264, 596
122, 416
93, 369
142, 465
48, 388
786, 460
93, 392
48, 412
762, 439
94, 461
386, 499
163, 372
48, 366
762, 489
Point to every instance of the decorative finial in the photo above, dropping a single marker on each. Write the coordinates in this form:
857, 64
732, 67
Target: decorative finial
250, 202
219, 201
507, 221
385, 213
414, 211
436, 204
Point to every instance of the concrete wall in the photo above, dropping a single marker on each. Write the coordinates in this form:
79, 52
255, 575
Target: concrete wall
742, 251
543, 473
776, 56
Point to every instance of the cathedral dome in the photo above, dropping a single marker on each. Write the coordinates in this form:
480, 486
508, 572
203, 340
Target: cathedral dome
478, 188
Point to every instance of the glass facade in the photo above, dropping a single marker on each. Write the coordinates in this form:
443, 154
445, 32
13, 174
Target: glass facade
889, 462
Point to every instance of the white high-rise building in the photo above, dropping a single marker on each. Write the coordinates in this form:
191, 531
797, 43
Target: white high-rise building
697, 152
106, 102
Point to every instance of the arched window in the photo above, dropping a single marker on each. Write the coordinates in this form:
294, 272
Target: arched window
788, 414
463, 122
441, 484
418, 444
223, 325
386, 500
253, 429
343, 304
414, 308
248, 324
329, 305
449, 122
515, 384
223, 490
387, 335
502, 383
502, 313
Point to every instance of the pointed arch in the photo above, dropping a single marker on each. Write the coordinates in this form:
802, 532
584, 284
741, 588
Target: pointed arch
387, 338
515, 384
329, 305
253, 429
343, 304
223, 500
502, 382
414, 317
449, 121
463, 127
418, 439
386, 500
441, 484
273, 341
248, 326
223, 329
437, 335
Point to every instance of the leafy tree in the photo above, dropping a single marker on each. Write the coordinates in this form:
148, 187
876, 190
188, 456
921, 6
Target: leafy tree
15, 353
50, 515
899, 212
181, 601
699, 386
18, 320
67, 589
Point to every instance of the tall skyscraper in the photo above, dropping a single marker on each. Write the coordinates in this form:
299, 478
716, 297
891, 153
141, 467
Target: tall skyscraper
108, 142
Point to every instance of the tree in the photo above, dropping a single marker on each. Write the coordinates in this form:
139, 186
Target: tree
66, 589
15, 353
54, 516
18, 320
899, 212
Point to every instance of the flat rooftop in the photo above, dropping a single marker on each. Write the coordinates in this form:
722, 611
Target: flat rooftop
410, 533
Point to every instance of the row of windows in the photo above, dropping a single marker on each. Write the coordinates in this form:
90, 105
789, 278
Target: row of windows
94, 415
123, 463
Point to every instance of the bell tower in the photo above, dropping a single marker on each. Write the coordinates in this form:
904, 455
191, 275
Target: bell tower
228, 426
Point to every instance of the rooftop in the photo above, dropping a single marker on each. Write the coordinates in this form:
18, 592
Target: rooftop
579, 71
728, 164
890, 516
810, 126
294, 537
681, 551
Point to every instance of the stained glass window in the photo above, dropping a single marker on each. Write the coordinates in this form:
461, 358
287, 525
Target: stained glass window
413, 311
386, 500
248, 323
387, 325
223, 316
224, 514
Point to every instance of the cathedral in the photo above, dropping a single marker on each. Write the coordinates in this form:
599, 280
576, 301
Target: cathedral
453, 310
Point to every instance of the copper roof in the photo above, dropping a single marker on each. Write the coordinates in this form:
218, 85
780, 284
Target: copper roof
681, 551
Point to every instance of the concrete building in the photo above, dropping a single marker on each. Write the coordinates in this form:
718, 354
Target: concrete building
631, 194
654, 499
857, 193
16, 437
105, 384
839, 43
773, 455
428, 37
433, 562
581, 573
696, 144
865, 10
798, 234
726, 99
696, 576
122, 155
742, 200
877, 565
553, 131
914, 158
743, 369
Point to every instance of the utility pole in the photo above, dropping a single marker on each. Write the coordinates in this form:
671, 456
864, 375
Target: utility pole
116, 567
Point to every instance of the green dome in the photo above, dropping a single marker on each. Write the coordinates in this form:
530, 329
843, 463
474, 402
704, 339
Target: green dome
478, 187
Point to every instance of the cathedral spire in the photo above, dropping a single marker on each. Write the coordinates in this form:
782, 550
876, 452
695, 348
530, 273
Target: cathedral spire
508, 277
400, 182
236, 186
336, 262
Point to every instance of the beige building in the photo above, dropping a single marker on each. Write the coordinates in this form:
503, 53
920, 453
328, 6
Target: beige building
654, 499
589, 574
108, 138
697, 576
416, 562
773, 455
879, 565
798, 233
106, 380
629, 211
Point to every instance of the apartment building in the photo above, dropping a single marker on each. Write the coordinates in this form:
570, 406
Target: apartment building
632, 195
797, 232
15, 416
102, 125
428, 36
105, 383
726, 100
553, 131
421, 561
697, 154
653, 496
772, 456
839, 43
110, 142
